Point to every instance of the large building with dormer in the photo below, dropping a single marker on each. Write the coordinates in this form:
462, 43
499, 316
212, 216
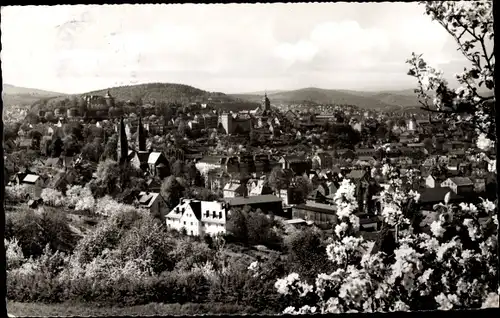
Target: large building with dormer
198, 218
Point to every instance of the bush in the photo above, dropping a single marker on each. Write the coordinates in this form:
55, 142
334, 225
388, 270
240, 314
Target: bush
52, 197
34, 231
16, 193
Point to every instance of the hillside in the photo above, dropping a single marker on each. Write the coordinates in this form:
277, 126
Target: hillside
367, 100
23, 96
166, 92
154, 93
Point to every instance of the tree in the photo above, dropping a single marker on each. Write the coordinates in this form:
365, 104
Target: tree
56, 148
277, 179
110, 150
182, 128
172, 191
428, 144
178, 168
307, 253
70, 146
303, 186
457, 237
191, 173
92, 151
237, 225
471, 26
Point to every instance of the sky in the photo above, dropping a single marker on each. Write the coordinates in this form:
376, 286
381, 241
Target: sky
233, 48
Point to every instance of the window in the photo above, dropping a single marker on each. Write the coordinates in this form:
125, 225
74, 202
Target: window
220, 215
184, 222
191, 223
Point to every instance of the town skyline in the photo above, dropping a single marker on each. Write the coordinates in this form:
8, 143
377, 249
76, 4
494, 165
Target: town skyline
217, 48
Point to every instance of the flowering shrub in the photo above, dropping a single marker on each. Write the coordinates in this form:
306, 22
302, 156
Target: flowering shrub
424, 272
14, 254
470, 23
80, 198
52, 197
16, 193
107, 206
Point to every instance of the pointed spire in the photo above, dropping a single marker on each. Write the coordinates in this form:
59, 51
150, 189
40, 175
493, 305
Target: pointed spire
141, 138
122, 143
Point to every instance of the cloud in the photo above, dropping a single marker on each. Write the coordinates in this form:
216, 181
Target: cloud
219, 47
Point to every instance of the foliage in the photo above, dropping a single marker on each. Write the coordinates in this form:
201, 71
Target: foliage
52, 197
34, 230
16, 193
278, 179
471, 26
424, 271
254, 228
172, 191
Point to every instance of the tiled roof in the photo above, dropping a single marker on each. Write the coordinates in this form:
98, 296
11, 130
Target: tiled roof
323, 208
259, 199
462, 181
436, 195
211, 160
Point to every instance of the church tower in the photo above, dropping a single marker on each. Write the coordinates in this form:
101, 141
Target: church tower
122, 143
266, 103
110, 101
141, 138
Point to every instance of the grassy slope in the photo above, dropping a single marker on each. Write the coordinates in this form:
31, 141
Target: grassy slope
14, 95
89, 309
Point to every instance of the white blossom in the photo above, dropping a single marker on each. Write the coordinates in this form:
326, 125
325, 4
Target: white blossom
484, 143
436, 229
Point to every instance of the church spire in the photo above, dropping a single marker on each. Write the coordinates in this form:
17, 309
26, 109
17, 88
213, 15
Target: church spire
122, 143
141, 138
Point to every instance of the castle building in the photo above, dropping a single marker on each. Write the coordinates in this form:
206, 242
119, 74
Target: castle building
110, 100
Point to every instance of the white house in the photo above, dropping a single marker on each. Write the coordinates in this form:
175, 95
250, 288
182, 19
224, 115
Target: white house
198, 217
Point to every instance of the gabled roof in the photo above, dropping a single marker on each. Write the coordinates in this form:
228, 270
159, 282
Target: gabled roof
317, 207
462, 181
51, 162
153, 157
212, 160
147, 198
196, 208
143, 156
232, 186
366, 158
436, 195
294, 159
356, 174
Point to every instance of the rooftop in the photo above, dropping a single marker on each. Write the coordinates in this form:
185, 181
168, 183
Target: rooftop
31, 178
462, 181
259, 199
